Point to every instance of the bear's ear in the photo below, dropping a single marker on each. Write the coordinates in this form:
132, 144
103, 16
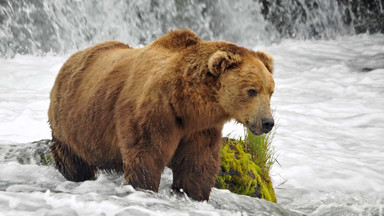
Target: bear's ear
222, 60
266, 59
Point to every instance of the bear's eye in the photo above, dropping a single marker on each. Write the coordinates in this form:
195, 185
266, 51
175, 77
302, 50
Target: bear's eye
252, 92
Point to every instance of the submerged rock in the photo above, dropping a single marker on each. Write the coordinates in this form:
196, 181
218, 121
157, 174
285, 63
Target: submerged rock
240, 174
37, 152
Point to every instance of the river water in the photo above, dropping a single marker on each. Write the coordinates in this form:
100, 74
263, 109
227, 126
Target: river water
328, 104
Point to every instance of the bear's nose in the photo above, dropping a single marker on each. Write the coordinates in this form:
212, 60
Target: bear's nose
267, 124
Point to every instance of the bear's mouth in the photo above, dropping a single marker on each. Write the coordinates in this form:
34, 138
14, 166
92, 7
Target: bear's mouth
256, 133
253, 129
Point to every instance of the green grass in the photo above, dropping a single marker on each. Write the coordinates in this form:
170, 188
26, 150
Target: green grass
261, 150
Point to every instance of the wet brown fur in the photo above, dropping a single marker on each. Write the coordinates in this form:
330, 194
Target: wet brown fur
137, 110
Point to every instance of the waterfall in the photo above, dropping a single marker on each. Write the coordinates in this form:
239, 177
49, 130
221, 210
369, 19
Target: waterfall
41, 26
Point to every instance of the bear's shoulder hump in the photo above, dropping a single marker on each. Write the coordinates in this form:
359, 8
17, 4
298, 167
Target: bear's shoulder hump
178, 39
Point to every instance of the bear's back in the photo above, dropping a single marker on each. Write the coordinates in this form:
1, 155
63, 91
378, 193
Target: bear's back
78, 81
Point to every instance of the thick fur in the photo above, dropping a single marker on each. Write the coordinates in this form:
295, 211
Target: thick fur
137, 110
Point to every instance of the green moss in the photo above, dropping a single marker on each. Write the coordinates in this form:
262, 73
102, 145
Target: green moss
42, 153
47, 159
240, 174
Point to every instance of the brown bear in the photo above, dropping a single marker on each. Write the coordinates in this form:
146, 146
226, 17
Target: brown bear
136, 111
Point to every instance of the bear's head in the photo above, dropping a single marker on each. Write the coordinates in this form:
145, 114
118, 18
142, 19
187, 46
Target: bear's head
246, 86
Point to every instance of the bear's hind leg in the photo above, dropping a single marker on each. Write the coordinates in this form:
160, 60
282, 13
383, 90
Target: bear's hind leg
196, 163
70, 165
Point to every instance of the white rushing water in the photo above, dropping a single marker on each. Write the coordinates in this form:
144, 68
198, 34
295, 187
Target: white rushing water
329, 107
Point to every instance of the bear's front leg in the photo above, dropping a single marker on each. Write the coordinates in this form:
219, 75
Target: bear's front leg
142, 169
196, 163
145, 152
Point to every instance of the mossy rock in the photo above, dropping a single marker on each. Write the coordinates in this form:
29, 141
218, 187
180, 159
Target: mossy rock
240, 174
43, 153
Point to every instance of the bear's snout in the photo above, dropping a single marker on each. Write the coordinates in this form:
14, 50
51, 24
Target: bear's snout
267, 124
